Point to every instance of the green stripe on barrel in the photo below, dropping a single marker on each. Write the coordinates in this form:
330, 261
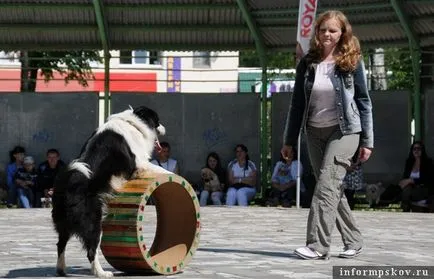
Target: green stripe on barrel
120, 238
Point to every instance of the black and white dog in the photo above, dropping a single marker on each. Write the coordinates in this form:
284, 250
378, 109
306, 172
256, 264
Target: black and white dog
117, 151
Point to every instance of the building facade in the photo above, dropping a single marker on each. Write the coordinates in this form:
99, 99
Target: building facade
141, 71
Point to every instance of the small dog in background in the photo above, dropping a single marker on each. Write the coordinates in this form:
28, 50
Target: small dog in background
211, 180
46, 202
373, 193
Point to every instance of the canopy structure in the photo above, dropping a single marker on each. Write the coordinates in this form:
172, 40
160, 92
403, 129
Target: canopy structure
264, 25
199, 24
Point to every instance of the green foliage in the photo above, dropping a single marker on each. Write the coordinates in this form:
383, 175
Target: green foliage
398, 61
277, 60
72, 65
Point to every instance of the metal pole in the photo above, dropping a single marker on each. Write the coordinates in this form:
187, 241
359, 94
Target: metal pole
417, 114
297, 198
264, 128
415, 52
106, 84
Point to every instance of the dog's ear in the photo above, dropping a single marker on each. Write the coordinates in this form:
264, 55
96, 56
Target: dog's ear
147, 115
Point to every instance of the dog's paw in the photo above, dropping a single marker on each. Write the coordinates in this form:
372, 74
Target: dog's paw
60, 272
104, 274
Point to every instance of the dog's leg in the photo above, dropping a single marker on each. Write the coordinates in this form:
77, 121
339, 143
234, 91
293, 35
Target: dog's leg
92, 245
61, 245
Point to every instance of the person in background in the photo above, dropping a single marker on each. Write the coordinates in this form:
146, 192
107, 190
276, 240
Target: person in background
163, 159
26, 181
241, 178
47, 172
417, 183
284, 181
213, 179
16, 161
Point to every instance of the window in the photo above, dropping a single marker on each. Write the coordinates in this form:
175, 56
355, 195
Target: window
201, 59
125, 57
139, 57
154, 58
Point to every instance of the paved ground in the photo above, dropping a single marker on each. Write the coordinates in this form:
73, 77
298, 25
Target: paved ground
249, 242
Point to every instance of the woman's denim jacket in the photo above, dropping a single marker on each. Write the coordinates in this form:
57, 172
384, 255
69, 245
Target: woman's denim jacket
353, 103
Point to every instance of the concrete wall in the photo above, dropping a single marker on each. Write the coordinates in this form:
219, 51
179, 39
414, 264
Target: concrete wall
42, 121
197, 124
427, 87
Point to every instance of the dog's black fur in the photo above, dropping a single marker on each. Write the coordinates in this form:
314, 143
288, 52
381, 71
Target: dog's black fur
80, 190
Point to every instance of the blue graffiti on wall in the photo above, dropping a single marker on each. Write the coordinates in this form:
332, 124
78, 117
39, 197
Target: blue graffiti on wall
43, 136
213, 136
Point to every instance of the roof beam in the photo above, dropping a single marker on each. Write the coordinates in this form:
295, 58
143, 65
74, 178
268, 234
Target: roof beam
132, 27
294, 11
102, 24
405, 23
105, 41
415, 58
124, 46
161, 27
119, 6
254, 30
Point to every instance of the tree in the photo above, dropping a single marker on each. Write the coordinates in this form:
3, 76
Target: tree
277, 60
72, 65
398, 62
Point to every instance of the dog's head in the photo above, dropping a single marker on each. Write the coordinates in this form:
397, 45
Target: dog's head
152, 121
207, 174
151, 118
145, 121
373, 193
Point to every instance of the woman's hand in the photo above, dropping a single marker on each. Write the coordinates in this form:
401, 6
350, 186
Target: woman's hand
364, 154
406, 182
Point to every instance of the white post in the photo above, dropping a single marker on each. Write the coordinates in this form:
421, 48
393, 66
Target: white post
297, 199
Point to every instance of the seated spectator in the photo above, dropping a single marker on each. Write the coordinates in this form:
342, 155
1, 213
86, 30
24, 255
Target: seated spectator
241, 178
16, 161
47, 172
284, 181
353, 180
213, 180
163, 159
417, 183
26, 179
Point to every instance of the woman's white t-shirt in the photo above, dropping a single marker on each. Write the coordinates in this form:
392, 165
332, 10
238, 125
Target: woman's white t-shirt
169, 165
241, 172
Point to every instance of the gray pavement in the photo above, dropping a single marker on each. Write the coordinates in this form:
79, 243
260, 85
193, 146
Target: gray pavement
252, 242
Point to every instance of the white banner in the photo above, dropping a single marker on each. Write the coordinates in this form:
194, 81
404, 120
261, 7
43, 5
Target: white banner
306, 24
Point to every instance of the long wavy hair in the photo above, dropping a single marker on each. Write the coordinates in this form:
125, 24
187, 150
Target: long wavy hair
348, 47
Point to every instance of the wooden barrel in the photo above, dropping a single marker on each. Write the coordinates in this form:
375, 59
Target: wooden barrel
177, 230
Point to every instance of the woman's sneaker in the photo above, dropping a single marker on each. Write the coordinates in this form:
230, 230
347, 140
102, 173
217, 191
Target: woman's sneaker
350, 253
309, 253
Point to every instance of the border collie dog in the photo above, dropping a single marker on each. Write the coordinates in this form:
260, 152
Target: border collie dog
117, 151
